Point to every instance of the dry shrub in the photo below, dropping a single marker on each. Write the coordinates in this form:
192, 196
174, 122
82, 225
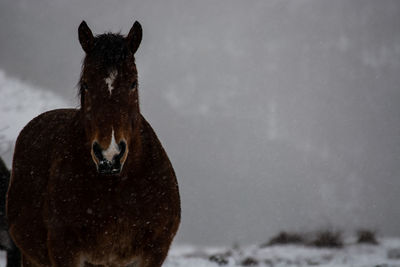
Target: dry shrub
249, 261
328, 239
220, 258
365, 236
285, 238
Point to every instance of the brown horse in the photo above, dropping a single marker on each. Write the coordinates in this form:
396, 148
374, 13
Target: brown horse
93, 186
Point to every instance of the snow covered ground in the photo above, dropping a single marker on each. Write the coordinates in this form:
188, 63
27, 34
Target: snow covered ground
387, 254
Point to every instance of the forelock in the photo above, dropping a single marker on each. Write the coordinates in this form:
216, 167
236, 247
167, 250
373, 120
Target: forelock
109, 50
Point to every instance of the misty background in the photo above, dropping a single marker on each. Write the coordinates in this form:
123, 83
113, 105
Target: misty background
275, 114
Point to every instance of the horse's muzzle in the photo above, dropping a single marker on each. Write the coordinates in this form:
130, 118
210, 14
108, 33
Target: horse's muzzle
109, 167
105, 166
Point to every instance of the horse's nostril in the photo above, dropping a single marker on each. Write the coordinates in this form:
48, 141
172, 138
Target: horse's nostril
97, 151
122, 147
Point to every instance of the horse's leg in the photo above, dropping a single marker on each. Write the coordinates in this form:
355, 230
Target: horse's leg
154, 256
153, 260
30, 243
63, 250
13, 256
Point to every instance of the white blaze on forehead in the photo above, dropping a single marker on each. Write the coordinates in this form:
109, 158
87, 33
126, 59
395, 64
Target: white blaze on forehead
110, 80
112, 149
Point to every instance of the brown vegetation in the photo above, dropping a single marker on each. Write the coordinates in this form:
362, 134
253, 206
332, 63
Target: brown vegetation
365, 236
328, 239
249, 261
284, 238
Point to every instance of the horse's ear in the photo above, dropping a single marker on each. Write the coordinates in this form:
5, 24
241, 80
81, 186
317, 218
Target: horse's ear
85, 37
134, 37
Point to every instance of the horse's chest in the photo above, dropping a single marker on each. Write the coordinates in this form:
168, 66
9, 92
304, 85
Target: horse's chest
98, 201
117, 224
111, 243
112, 226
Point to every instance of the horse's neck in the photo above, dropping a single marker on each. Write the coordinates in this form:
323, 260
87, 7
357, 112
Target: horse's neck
138, 140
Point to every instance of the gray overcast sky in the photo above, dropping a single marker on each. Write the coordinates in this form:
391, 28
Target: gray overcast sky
276, 114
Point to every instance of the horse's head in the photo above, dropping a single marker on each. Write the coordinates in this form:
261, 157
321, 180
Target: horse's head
109, 95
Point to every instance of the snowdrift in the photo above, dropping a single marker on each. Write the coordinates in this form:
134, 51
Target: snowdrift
387, 253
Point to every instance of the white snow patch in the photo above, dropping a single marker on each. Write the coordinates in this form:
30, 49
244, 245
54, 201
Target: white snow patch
351, 255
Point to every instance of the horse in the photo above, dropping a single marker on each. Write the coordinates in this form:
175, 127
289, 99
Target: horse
93, 186
6, 243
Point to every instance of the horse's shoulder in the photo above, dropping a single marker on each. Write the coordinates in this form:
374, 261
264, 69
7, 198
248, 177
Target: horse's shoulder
54, 116
43, 133
33, 154
48, 122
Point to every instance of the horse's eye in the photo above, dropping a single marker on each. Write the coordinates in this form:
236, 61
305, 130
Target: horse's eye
133, 85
